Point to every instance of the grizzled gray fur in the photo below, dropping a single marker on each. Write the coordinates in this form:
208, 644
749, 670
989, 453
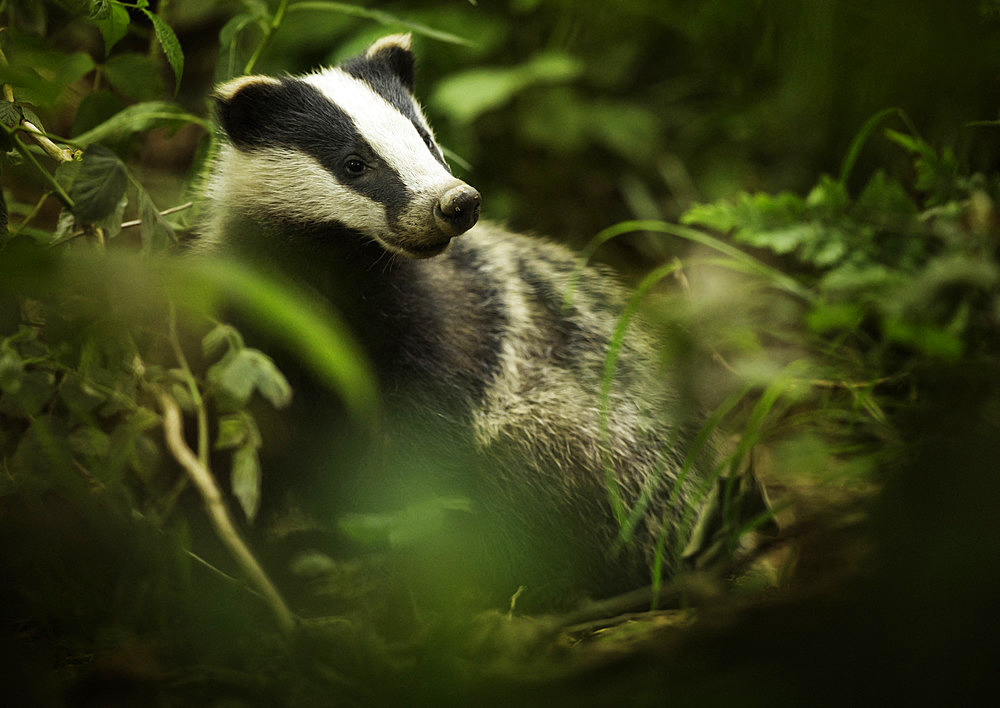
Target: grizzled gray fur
335, 177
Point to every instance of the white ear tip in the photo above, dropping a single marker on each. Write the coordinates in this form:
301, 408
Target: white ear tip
230, 88
400, 41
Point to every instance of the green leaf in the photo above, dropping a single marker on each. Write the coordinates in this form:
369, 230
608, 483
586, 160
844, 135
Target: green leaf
245, 480
219, 335
134, 75
138, 118
95, 108
835, 316
229, 38
380, 16
29, 398
294, 317
10, 114
241, 372
883, 197
171, 46
468, 95
232, 432
90, 442
99, 186
155, 231
112, 223
112, 20
11, 369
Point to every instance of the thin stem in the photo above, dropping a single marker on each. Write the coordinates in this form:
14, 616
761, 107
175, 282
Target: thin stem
32, 214
192, 386
219, 515
265, 41
165, 212
26, 154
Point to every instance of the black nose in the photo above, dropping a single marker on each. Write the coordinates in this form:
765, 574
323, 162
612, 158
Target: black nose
458, 209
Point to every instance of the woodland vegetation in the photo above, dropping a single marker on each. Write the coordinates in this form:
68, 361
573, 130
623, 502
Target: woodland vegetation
804, 196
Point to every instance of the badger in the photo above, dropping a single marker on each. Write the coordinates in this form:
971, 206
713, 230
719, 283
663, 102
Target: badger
336, 178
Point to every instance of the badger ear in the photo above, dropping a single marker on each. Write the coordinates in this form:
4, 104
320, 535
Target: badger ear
239, 105
396, 53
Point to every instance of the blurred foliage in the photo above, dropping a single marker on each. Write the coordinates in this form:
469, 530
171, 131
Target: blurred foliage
845, 326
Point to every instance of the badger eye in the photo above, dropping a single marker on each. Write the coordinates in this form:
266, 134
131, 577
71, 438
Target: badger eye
355, 166
428, 142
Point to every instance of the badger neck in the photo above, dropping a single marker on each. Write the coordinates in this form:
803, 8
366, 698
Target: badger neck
363, 281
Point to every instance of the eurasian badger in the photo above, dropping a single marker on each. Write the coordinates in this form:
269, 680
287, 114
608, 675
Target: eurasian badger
336, 176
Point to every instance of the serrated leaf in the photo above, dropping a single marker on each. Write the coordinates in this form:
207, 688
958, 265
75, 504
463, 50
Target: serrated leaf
10, 114
112, 223
64, 226
112, 21
170, 44
137, 118
241, 372
720, 216
99, 185
155, 231
245, 480
134, 75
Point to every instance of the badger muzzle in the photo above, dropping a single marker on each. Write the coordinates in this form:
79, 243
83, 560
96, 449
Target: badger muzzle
457, 210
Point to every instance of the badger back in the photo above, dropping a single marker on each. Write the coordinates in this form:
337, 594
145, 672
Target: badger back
344, 148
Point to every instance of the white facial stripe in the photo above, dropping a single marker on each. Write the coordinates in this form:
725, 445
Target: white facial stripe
286, 182
390, 133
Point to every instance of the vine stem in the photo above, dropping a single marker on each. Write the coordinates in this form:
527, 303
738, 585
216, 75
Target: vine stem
218, 514
269, 30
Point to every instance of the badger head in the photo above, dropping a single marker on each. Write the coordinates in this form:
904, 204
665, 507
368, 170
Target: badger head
345, 147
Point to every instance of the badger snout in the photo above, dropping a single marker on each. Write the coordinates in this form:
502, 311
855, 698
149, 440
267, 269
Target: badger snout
457, 210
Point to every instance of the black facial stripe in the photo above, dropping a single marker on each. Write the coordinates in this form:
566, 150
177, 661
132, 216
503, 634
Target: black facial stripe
380, 77
297, 115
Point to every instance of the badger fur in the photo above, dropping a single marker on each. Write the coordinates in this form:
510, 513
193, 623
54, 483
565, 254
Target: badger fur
336, 177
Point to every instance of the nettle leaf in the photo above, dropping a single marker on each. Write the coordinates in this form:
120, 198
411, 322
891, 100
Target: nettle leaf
112, 20
112, 223
156, 232
10, 114
134, 75
100, 184
245, 480
171, 46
